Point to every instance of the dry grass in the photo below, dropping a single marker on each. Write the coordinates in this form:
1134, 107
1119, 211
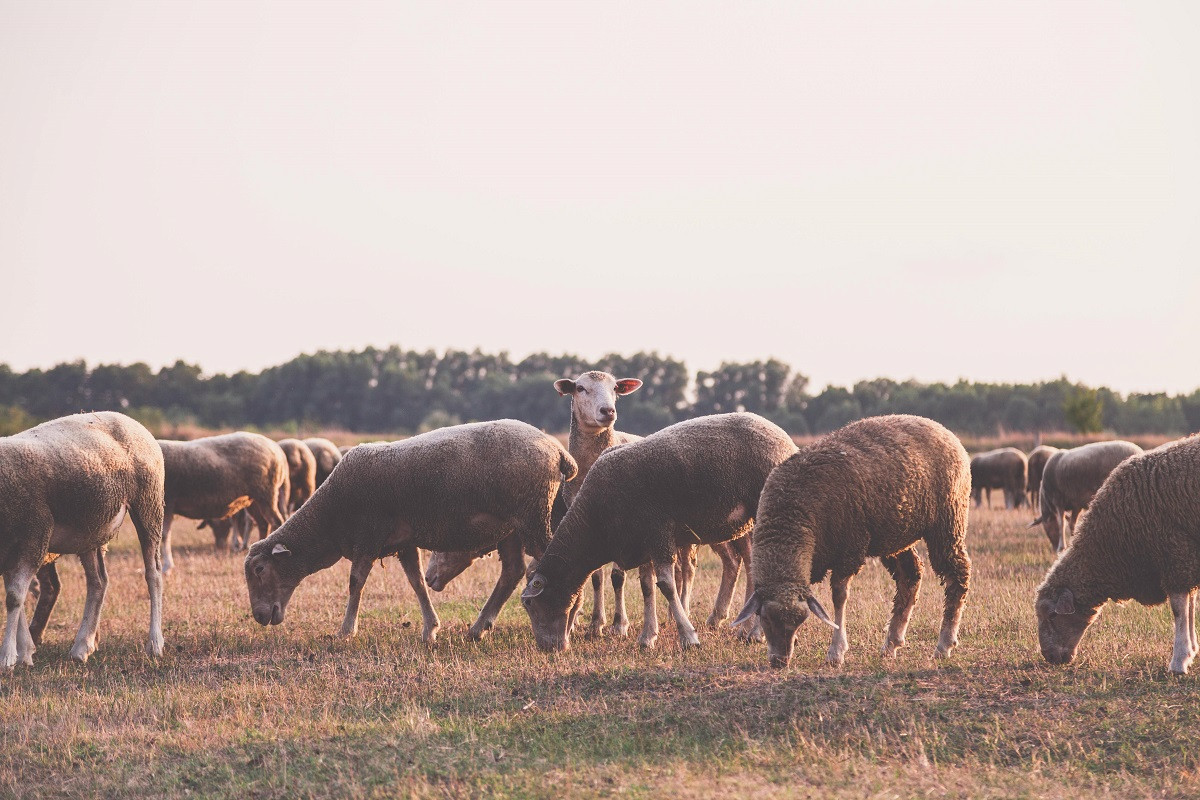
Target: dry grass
235, 710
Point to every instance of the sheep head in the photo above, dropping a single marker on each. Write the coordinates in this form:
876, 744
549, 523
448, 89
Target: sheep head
1063, 617
445, 567
549, 602
782, 610
594, 398
272, 574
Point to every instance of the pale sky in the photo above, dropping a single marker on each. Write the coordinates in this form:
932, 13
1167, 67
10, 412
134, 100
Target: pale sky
999, 190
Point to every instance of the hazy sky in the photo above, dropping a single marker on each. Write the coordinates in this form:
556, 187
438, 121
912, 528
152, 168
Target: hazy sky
1002, 191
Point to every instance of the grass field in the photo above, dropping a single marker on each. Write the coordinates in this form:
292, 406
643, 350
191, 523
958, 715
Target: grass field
235, 710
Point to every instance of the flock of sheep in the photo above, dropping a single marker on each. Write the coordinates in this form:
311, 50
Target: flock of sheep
735, 482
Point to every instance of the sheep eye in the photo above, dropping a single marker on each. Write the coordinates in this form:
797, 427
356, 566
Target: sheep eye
258, 570
580, 390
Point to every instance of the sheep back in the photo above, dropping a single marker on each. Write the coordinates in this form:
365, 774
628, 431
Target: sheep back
216, 476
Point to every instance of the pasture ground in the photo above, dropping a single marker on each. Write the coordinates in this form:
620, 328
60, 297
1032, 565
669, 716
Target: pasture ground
235, 710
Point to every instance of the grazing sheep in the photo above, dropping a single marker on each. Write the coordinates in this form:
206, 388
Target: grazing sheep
464, 487
239, 525
1070, 481
346, 448
68, 485
1038, 457
695, 482
1139, 540
327, 455
1005, 469
871, 489
302, 472
217, 476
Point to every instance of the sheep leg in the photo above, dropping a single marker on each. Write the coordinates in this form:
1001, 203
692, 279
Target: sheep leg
97, 586
730, 567
665, 573
168, 561
241, 530
650, 612
599, 616
977, 496
411, 561
1191, 623
905, 569
574, 612
148, 528
952, 565
840, 644
360, 569
685, 573
989, 497
620, 626
1181, 652
750, 631
1069, 533
512, 568
17, 642
48, 577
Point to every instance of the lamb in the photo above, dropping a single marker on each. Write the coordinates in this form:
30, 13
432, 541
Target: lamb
1139, 540
217, 476
871, 489
465, 487
695, 482
1006, 469
327, 455
1038, 457
1070, 481
68, 485
302, 472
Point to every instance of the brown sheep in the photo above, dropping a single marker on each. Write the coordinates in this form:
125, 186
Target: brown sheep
465, 487
1139, 540
871, 489
695, 482
327, 455
217, 476
1070, 481
68, 485
1006, 469
1038, 457
302, 472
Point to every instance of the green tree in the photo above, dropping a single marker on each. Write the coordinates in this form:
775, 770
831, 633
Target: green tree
1084, 410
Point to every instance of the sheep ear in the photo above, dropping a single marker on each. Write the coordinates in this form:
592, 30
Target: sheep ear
280, 550
1065, 603
628, 385
1038, 521
820, 614
534, 587
751, 609
565, 386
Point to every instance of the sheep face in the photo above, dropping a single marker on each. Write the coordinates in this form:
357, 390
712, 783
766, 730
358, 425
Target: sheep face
781, 613
445, 567
594, 398
1062, 620
548, 604
271, 577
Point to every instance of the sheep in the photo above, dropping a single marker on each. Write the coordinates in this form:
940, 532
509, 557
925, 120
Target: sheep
1070, 481
464, 487
1005, 469
871, 489
239, 525
695, 482
1038, 457
327, 455
346, 448
302, 472
217, 476
68, 485
1139, 540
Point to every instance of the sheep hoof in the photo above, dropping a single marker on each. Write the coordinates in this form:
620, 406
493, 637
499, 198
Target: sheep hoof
647, 642
714, 621
750, 634
891, 649
689, 641
478, 631
429, 636
155, 646
619, 629
596, 629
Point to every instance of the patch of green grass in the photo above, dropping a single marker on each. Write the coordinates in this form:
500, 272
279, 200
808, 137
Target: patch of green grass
236, 710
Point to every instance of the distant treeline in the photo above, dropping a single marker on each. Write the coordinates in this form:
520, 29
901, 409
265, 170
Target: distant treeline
405, 391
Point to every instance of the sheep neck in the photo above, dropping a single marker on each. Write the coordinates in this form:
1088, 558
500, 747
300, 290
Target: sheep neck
585, 447
312, 549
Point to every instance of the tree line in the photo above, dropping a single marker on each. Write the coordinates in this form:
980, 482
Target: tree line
407, 391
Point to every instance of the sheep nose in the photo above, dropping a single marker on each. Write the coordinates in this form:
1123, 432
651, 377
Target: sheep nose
608, 411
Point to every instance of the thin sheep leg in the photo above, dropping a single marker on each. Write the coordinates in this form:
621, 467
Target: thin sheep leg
840, 584
1191, 623
512, 569
1181, 651
620, 626
360, 569
905, 569
97, 586
411, 561
665, 573
16, 588
51, 585
730, 567
599, 615
649, 635
168, 561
